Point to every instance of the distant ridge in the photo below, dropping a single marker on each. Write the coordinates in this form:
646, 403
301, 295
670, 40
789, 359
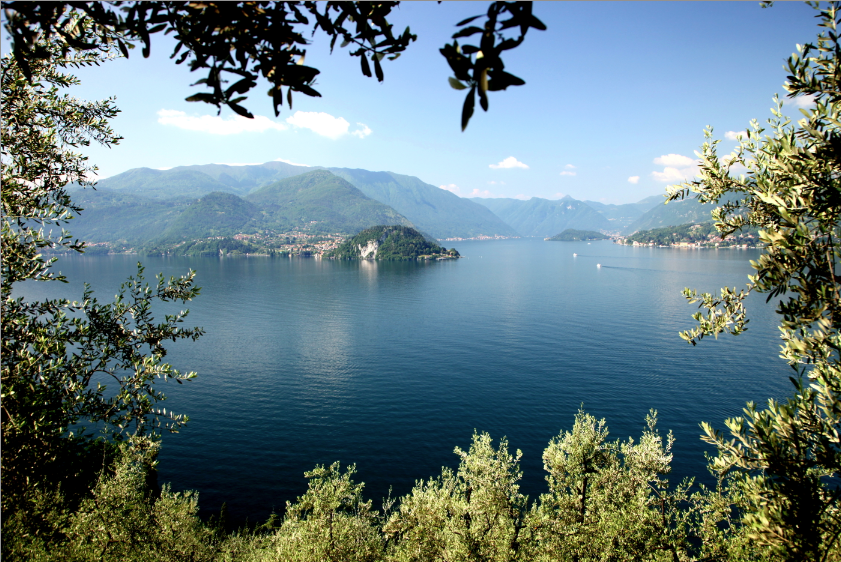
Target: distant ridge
545, 217
434, 210
315, 202
431, 209
672, 214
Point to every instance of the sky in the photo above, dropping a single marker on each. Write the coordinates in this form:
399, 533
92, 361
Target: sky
616, 100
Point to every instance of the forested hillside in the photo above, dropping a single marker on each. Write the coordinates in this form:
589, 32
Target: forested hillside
704, 234
572, 235
433, 210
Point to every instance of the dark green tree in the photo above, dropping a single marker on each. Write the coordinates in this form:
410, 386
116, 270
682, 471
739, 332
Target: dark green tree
68, 364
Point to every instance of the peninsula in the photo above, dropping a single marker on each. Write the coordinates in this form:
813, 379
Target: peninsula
393, 243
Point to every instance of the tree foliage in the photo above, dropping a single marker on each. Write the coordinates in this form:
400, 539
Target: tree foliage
67, 364
786, 458
242, 42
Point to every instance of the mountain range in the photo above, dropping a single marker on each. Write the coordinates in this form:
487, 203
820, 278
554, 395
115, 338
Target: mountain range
189, 202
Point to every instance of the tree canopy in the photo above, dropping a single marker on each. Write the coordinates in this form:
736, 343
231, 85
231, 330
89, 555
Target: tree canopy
241, 42
787, 457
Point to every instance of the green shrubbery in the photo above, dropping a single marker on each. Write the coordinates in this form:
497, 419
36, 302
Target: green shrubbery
606, 500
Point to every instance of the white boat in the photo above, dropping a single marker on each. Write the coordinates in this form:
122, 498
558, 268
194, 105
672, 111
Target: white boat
574, 254
598, 265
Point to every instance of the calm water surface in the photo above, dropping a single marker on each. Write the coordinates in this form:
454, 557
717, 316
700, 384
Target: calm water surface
392, 365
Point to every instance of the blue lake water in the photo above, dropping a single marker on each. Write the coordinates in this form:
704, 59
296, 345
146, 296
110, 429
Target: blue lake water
392, 365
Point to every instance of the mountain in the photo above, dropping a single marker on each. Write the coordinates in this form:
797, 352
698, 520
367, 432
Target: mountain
316, 202
432, 209
163, 184
436, 211
544, 217
621, 216
674, 213
198, 180
111, 216
215, 214
321, 201
391, 243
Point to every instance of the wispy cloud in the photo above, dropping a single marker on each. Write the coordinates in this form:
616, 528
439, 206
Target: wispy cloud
522, 197
559, 195
634, 179
567, 173
452, 188
496, 182
480, 193
672, 175
320, 123
804, 101
569, 167
674, 160
734, 135
676, 168
509, 162
238, 163
290, 162
216, 125
363, 132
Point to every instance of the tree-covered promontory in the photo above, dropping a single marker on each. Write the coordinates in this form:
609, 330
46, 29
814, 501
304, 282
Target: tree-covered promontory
573, 235
391, 243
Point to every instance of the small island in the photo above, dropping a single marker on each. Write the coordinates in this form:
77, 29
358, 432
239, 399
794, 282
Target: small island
391, 243
572, 235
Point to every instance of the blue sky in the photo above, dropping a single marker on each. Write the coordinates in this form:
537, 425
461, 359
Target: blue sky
616, 99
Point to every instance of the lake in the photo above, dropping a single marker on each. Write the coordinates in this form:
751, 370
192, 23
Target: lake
392, 365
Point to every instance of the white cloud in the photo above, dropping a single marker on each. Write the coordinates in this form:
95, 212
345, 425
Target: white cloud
634, 179
164, 169
569, 167
238, 163
320, 123
521, 197
452, 188
804, 101
478, 193
676, 168
509, 162
673, 175
216, 125
290, 162
567, 173
492, 182
734, 135
674, 160
363, 132
560, 195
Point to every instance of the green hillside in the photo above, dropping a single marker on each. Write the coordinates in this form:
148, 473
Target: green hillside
320, 201
215, 214
691, 233
572, 235
119, 217
432, 209
163, 184
544, 217
673, 213
390, 243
